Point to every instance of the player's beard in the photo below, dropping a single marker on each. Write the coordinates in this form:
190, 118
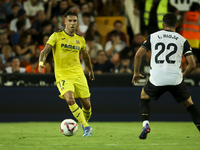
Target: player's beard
71, 30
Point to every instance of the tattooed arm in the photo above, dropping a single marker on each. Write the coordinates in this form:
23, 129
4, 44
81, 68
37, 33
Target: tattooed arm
87, 60
43, 56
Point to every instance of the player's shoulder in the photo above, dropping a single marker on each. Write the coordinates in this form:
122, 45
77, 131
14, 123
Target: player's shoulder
79, 35
59, 31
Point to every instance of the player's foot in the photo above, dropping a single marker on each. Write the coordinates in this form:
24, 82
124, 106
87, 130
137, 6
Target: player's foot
87, 131
145, 131
82, 126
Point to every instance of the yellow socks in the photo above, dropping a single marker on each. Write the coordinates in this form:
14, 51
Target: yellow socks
87, 113
78, 114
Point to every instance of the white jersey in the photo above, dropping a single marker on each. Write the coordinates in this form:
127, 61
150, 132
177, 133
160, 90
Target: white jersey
166, 48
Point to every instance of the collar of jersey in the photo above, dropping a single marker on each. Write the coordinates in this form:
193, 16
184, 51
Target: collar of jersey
169, 30
68, 34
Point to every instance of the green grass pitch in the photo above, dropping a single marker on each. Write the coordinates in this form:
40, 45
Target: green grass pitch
106, 136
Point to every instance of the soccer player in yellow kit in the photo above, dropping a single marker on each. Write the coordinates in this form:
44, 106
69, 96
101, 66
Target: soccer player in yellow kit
70, 79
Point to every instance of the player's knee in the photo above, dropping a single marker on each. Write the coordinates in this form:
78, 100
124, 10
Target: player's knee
70, 100
87, 106
188, 102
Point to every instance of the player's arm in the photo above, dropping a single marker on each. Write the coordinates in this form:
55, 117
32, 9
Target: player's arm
43, 55
187, 51
87, 60
137, 63
190, 67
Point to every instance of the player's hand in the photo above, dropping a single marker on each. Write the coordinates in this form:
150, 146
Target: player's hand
41, 66
136, 78
91, 75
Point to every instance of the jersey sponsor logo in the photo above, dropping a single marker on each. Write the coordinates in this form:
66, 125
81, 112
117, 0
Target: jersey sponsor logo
62, 38
70, 47
77, 41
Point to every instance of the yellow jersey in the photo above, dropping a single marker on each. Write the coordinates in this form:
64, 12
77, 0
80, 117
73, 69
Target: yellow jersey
66, 50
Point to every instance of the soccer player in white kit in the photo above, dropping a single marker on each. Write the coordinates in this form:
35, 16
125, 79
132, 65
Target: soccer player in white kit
167, 48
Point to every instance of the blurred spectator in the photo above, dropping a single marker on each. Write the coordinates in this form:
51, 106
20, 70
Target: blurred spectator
21, 27
93, 30
190, 28
33, 67
84, 8
6, 53
51, 8
2, 12
47, 28
32, 7
126, 66
145, 65
63, 7
49, 59
9, 62
86, 22
25, 48
102, 64
36, 27
42, 45
92, 47
136, 43
1, 66
121, 9
7, 6
3, 40
15, 67
74, 3
61, 24
151, 14
197, 68
117, 26
114, 46
15, 9
21, 16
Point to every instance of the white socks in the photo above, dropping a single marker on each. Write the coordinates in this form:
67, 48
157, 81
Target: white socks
145, 122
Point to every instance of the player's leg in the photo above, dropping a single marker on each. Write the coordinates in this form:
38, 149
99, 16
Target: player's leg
189, 105
144, 112
149, 92
87, 111
75, 109
83, 93
182, 94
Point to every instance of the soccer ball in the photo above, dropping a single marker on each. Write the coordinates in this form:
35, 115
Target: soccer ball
68, 127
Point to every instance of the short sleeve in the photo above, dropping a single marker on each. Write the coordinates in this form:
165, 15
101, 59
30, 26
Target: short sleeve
84, 45
187, 50
52, 39
147, 44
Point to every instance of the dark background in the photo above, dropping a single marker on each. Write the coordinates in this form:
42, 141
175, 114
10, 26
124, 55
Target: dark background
113, 98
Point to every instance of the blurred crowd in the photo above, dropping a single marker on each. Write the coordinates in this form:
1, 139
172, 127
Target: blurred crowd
25, 26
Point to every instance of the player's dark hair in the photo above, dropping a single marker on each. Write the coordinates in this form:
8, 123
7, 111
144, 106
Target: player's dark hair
70, 13
170, 20
117, 21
